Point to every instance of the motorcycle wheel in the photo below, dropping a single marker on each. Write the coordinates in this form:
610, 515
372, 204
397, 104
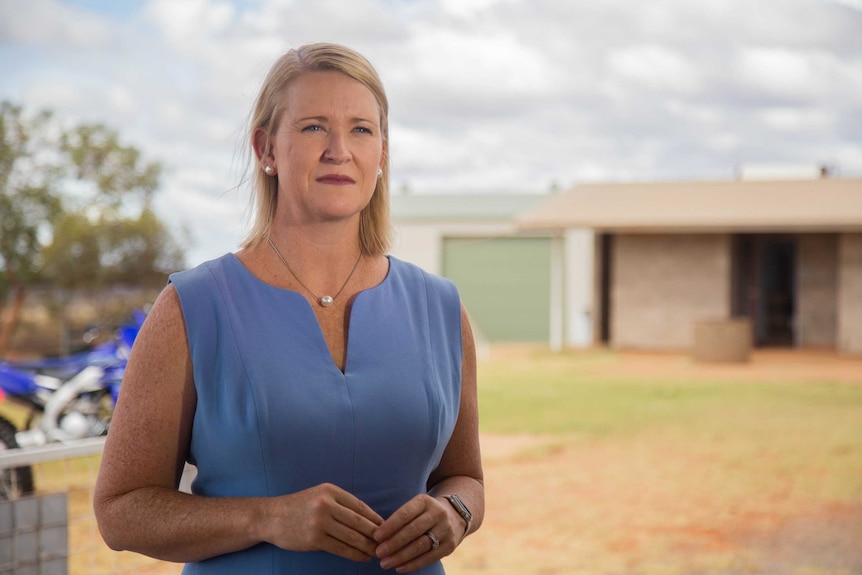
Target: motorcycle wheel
18, 481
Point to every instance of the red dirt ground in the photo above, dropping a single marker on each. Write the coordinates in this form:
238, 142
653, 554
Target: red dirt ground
652, 505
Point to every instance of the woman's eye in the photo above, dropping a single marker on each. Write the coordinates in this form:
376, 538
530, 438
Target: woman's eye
313, 128
363, 130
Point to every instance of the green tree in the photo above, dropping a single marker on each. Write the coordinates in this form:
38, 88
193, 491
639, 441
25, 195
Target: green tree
111, 250
115, 173
109, 233
76, 210
72, 258
28, 171
140, 251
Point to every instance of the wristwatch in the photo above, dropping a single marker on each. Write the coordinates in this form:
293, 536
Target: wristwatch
461, 509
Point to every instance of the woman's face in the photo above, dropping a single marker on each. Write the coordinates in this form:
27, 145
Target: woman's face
327, 148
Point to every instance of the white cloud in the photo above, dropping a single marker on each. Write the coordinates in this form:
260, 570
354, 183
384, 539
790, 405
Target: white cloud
654, 67
468, 9
798, 120
778, 71
47, 23
190, 20
853, 4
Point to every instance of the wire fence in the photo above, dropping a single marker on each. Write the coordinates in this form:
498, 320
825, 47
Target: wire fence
31, 525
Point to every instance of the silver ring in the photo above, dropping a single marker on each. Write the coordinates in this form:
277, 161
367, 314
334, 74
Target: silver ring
435, 543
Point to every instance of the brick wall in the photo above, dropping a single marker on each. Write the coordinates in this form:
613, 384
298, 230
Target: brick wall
817, 283
850, 293
33, 535
663, 284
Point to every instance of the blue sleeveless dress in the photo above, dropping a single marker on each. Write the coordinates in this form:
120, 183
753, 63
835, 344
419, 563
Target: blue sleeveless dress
275, 415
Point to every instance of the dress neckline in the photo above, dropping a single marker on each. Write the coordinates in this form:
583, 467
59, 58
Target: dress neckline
307, 308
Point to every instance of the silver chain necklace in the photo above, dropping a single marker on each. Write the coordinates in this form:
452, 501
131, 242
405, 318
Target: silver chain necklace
326, 300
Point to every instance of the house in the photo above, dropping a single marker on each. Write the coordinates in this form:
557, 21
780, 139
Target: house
503, 274
785, 253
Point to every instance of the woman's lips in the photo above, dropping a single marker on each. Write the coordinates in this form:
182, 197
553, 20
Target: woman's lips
336, 180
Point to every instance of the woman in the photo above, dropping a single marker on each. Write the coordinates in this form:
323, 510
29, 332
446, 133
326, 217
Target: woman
325, 392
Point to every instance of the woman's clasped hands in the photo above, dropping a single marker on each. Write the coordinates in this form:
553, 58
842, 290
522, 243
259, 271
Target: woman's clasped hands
328, 518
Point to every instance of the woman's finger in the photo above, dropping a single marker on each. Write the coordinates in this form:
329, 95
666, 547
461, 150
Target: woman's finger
364, 518
403, 516
419, 552
408, 541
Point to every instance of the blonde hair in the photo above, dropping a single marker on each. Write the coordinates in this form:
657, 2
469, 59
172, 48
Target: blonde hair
374, 224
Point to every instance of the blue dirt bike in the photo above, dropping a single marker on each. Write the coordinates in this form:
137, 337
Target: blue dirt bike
69, 397
66, 398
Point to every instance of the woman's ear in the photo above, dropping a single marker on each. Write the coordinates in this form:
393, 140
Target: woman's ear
262, 147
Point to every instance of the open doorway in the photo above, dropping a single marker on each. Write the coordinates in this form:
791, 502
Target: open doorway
764, 286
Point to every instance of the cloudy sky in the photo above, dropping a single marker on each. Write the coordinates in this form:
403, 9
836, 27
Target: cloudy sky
486, 95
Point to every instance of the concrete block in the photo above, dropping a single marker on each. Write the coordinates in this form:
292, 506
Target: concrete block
53, 509
26, 513
728, 340
6, 556
54, 540
7, 521
55, 567
27, 547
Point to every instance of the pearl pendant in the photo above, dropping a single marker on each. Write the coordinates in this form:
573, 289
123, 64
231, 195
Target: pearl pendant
326, 301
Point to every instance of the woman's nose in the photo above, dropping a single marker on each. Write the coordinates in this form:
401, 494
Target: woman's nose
336, 148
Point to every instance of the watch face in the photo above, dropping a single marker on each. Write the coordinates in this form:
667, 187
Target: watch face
460, 507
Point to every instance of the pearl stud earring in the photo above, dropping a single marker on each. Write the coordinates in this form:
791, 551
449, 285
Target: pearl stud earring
379, 172
267, 170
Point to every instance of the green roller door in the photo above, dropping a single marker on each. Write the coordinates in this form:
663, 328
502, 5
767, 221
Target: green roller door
504, 283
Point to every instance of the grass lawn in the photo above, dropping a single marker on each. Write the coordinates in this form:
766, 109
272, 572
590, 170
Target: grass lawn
644, 464
791, 427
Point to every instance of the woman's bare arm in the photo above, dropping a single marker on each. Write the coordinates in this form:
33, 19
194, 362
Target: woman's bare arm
460, 470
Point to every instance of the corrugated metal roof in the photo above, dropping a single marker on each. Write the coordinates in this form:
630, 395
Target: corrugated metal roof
816, 205
447, 207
